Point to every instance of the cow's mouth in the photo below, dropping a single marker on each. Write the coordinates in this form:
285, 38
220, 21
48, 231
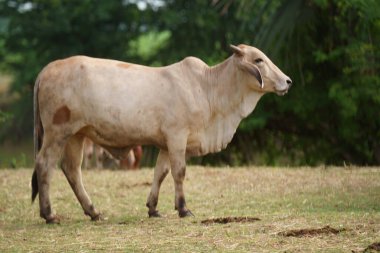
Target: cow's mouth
281, 92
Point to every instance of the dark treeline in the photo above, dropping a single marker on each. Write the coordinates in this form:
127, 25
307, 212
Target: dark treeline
330, 48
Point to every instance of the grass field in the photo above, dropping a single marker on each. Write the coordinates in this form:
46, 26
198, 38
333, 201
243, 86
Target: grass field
284, 199
16, 155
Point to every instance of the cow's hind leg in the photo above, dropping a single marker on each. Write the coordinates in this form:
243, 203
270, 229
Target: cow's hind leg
71, 166
160, 172
46, 161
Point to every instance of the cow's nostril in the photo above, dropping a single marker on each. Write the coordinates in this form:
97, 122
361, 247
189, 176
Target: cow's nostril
289, 81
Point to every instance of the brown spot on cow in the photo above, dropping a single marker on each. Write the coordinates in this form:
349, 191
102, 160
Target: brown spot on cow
124, 65
62, 115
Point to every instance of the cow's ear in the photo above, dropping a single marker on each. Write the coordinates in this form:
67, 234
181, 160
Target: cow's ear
237, 50
253, 70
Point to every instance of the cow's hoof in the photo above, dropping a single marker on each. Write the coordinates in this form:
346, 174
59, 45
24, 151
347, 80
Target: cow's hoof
185, 213
54, 219
98, 217
154, 214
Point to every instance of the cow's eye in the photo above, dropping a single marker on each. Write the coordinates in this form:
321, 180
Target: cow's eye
258, 60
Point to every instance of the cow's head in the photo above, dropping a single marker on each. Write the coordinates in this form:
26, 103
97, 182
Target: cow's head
260, 72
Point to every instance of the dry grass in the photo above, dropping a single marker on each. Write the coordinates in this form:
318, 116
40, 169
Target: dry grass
283, 198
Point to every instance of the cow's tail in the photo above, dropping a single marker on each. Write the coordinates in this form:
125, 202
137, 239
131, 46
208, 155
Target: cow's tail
38, 136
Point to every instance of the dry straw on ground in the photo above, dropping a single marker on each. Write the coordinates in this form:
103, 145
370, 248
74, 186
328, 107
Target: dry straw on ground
284, 199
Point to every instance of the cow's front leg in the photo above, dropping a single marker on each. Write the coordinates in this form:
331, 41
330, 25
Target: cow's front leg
160, 172
177, 156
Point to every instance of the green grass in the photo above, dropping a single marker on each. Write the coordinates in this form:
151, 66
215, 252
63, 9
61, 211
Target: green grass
283, 198
16, 155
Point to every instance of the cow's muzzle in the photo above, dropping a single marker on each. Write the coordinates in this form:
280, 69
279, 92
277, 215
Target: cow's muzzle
282, 92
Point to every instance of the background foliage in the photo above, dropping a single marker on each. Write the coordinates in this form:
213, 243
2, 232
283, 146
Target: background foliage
330, 48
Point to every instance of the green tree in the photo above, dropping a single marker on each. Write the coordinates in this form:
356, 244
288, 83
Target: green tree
40, 31
331, 50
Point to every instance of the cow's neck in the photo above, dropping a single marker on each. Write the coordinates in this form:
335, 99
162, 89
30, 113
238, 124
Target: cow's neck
230, 101
226, 91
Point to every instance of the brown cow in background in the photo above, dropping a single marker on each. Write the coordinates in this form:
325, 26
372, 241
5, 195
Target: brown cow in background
94, 155
133, 160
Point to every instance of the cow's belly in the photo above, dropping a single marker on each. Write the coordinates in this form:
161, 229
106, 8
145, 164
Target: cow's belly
114, 135
120, 121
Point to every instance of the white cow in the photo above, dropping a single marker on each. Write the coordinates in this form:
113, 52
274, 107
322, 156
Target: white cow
185, 109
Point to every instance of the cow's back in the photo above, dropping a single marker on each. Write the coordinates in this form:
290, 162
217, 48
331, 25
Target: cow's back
113, 102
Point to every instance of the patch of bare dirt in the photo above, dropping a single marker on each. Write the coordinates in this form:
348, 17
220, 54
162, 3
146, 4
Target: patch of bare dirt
225, 220
311, 232
128, 186
374, 247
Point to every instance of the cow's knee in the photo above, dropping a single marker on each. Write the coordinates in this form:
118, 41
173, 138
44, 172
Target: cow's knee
179, 173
